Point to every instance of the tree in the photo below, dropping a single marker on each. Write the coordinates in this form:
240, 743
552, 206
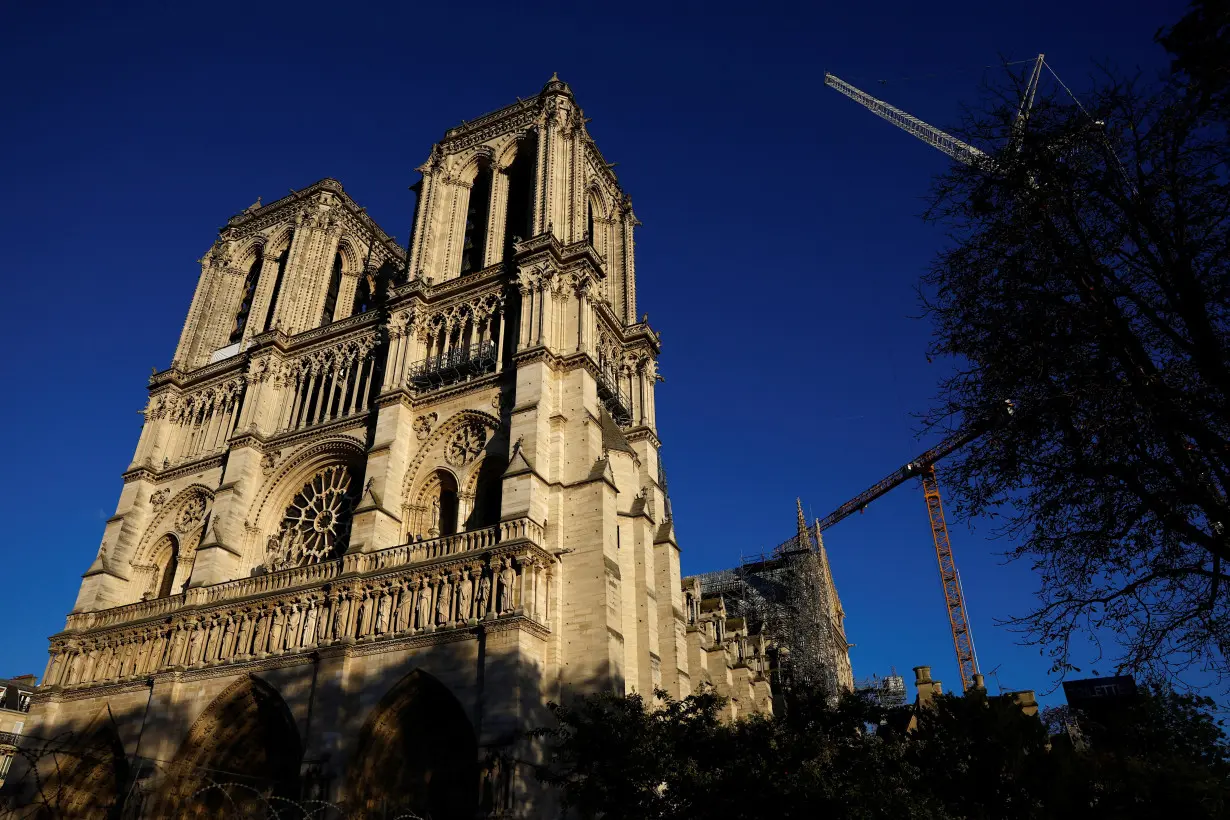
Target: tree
1088, 281
620, 757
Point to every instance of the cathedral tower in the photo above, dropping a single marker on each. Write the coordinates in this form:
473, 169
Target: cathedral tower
386, 503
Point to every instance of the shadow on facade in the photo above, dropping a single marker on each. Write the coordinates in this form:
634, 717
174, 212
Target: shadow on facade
418, 751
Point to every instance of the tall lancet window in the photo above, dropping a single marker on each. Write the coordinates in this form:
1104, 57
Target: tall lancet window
519, 223
245, 299
335, 284
271, 314
589, 225
474, 245
363, 295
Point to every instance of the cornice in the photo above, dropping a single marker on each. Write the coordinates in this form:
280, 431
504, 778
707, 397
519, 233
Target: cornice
245, 224
147, 472
291, 437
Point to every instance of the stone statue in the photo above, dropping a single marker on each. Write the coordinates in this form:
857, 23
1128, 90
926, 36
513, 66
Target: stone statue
342, 622
405, 609
444, 602
195, 646
360, 620
309, 625
294, 622
322, 623
211, 641
484, 596
508, 577
424, 605
275, 630
382, 613
434, 530
155, 653
228, 638
245, 631
465, 591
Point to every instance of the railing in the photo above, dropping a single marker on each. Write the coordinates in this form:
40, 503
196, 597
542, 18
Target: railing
486, 575
314, 574
10, 739
613, 397
455, 365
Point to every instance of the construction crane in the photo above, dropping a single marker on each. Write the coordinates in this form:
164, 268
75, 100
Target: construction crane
950, 145
924, 467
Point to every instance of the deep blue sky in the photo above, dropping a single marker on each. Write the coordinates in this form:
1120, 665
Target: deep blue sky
780, 247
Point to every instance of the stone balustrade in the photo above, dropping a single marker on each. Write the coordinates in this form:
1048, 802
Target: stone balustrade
463, 543
457, 582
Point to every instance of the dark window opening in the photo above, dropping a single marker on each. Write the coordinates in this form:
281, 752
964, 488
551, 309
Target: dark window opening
519, 224
245, 299
474, 244
277, 287
363, 295
335, 284
589, 226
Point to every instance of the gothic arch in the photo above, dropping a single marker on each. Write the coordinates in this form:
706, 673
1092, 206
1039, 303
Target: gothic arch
86, 778
246, 735
288, 480
169, 519
468, 162
253, 250
279, 241
417, 752
352, 260
506, 153
433, 447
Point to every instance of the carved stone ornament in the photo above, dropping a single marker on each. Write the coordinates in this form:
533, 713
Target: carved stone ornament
269, 461
466, 444
316, 524
191, 513
159, 498
423, 424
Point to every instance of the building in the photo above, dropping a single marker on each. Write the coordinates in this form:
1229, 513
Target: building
386, 504
15, 698
775, 620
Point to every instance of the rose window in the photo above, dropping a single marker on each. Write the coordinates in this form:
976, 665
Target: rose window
465, 445
317, 523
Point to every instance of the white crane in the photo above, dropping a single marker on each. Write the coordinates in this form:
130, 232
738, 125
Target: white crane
950, 145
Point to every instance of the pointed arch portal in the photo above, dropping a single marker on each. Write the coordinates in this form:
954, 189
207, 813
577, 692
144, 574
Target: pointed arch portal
246, 736
417, 752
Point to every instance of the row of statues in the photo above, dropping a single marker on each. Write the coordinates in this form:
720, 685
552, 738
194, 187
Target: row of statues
415, 604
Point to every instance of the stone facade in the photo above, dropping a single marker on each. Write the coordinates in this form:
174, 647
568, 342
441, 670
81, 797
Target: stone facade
773, 621
387, 504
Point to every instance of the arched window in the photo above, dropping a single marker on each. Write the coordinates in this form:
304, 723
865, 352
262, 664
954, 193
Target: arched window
245, 299
439, 505
363, 301
335, 284
166, 562
519, 221
589, 225
474, 245
277, 286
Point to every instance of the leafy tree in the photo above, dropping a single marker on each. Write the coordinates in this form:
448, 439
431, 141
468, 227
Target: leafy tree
966, 756
619, 757
1088, 281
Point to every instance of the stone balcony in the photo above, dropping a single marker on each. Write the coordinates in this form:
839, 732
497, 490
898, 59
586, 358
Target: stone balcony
426, 588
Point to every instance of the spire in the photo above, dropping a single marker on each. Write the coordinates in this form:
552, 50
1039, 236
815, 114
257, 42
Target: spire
804, 535
556, 86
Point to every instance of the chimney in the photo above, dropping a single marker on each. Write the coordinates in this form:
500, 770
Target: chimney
928, 689
979, 682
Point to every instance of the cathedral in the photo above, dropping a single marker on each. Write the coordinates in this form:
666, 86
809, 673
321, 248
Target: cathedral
387, 504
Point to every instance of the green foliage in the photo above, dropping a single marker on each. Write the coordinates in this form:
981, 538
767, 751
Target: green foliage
966, 757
